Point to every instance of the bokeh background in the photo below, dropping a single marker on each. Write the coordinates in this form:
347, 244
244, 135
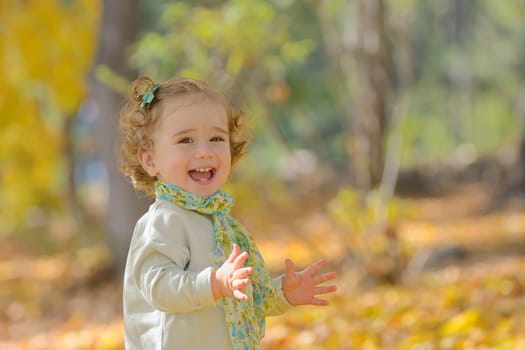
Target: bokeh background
387, 137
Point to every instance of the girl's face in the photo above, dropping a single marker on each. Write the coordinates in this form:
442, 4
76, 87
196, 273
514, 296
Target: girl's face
191, 147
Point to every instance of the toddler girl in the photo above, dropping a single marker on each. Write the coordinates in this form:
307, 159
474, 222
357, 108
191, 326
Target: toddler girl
194, 278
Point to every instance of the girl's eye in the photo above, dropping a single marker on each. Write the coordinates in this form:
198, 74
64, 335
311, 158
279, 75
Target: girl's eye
185, 140
217, 139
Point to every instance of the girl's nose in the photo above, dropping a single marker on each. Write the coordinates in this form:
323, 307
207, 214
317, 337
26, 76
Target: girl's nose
204, 151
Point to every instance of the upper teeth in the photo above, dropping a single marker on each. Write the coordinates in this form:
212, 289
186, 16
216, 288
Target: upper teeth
203, 170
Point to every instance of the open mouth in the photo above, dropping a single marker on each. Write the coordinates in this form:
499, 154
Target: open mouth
202, 175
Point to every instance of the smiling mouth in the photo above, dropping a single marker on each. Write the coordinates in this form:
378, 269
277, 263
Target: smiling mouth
202, 175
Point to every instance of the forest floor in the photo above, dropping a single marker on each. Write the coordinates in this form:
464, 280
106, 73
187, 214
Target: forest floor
473, 298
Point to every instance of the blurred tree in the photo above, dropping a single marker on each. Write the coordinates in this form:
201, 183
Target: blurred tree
242, 46
355, 42
120, 27
47, 49
347, 100
280, 75
374, 72
462, 119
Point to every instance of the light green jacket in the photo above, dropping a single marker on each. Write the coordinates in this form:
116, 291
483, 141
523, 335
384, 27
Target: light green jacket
168, 300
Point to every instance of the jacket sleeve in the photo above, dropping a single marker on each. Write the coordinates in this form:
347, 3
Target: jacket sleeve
281, 305
159, 268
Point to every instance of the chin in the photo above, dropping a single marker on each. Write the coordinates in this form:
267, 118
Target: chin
203, 193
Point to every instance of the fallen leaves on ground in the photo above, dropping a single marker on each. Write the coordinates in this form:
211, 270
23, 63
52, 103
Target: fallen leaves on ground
480, 306
67, 300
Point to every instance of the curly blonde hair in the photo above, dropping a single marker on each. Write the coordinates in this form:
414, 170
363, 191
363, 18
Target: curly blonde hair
137, 123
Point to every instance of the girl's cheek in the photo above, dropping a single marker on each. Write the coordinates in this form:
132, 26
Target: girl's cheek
224, 147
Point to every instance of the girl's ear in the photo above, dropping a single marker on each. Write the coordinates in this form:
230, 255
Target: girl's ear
146, 160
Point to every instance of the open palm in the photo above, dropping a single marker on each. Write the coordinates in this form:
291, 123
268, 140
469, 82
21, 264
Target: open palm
301, 288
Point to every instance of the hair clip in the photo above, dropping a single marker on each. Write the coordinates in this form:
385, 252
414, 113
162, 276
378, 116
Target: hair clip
149, 96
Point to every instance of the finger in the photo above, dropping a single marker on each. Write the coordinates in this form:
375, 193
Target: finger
239, 260
240, 284
240, 295
324, 290
319, 302
315, 267
290, 267
324, 277
242, 273
235, 252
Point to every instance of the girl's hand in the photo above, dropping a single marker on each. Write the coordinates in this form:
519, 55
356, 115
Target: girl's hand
301, 288
231, 278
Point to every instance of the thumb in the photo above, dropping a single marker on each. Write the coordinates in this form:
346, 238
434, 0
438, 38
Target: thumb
290, 267
235, 252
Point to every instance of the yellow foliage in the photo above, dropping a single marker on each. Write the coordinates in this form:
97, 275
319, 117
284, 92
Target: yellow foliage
47, 49
371, 226
357, 217
478, 305
463, 322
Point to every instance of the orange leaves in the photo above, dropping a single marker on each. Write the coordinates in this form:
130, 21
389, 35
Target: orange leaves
428, 314
74, 334
476, 305
48, 302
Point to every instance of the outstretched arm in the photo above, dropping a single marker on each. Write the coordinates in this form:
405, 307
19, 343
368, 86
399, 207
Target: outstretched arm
303, 287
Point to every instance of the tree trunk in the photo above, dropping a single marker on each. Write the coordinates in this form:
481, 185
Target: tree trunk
359, 55
459, 70
68, 152
119, 29
373, 63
